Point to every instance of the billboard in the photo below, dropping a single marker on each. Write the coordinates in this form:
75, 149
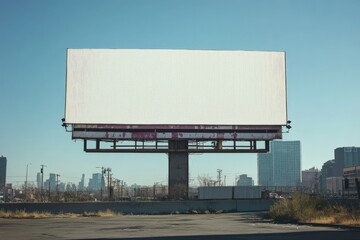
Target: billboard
175, 87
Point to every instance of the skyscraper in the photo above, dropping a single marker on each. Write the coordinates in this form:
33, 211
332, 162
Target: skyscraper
51, 182
265, 169
2, 172
96, 181
346, 157
327, 171
81, 186
38, 180
281, 166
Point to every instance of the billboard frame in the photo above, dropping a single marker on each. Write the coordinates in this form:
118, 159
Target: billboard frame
154, 138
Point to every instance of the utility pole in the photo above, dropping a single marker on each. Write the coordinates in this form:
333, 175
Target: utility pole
122, 189
103, 171
42, 182
26, 180
154, 191
219, 176
109, 181
117, 197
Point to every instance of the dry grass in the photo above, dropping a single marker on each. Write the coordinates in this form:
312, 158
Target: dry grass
335, 220
107, 213
37, 215
313, 209
323, 220
351, 222
23, 214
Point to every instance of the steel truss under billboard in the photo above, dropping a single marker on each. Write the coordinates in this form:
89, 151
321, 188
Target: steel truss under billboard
202, 139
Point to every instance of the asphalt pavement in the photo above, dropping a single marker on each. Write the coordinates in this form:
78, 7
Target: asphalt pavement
226, 226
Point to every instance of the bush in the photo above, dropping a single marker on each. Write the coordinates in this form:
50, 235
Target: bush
299, 208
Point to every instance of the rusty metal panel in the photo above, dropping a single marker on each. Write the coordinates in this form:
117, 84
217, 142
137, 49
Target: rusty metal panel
177, 127
167, 146
173, 135
175, 87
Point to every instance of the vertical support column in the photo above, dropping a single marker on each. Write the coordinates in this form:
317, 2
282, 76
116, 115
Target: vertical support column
267, 145
178, 169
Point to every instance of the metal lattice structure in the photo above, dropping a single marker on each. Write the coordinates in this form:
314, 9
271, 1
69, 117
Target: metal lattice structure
154, 139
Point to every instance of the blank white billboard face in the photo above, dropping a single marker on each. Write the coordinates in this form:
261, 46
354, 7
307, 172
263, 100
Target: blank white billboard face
124, 86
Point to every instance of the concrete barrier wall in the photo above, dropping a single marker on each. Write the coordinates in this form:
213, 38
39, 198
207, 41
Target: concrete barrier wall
161, 207
253, 205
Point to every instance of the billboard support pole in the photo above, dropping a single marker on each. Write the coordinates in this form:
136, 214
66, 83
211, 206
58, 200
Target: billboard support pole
178, 169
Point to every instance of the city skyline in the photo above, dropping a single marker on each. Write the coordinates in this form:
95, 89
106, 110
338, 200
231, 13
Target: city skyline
347, 156
320, 39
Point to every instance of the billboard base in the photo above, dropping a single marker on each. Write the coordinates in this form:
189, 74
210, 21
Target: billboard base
178, 170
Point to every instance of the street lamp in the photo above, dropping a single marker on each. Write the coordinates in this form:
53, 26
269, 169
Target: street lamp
42, 181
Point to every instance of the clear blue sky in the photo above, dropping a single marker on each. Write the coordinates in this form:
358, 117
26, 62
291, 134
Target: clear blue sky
321, 39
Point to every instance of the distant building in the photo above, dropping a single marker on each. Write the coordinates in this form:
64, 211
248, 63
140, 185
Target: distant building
96, 181
51, 182
310, 179
334, 186
281, 166
346, 157
70, 187
8, 192
351, 174
61, 187
2, 172
38, 180
327, 171
244, 180
82, 183
265, 169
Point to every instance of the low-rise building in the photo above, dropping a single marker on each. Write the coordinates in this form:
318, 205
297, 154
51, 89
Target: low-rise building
334, 186
310, 179
244, 180
351, 174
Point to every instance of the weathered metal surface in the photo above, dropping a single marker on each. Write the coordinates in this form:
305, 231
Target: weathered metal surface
178, 127
174, 135
161, 146
167, 151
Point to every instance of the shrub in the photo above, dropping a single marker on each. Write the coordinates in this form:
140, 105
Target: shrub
300, 207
